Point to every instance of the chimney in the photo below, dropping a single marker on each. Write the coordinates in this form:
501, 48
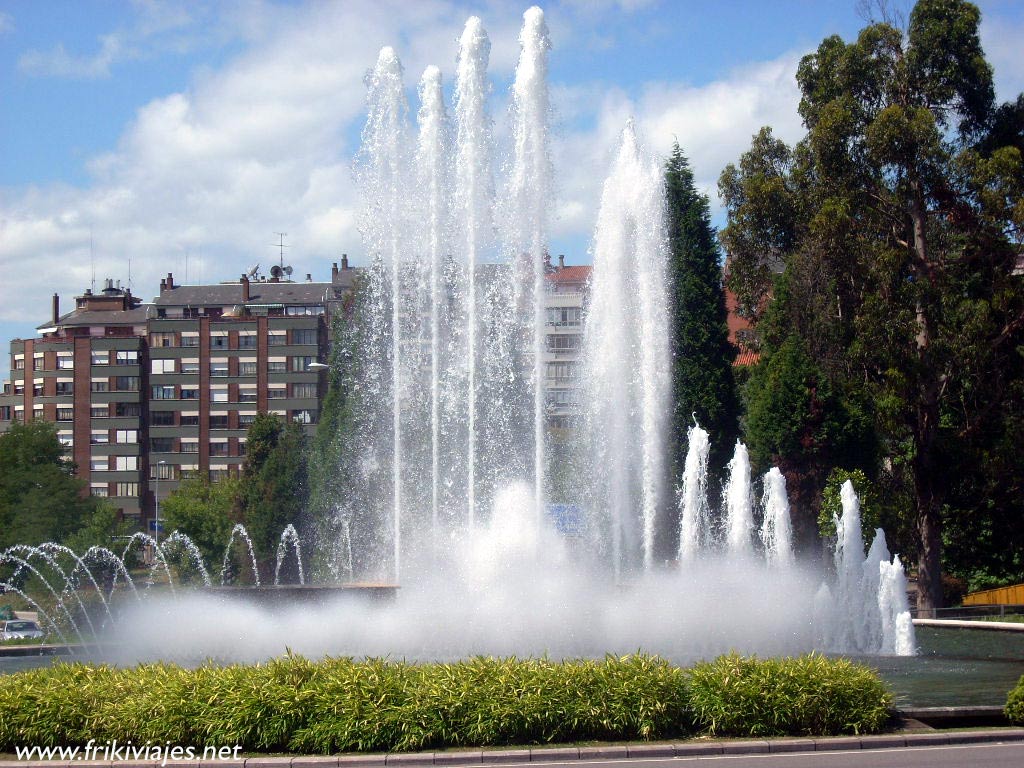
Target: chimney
334, 272
344, 261
163, 284
245, 287
309, 277
56, 308
170, 281
561, 261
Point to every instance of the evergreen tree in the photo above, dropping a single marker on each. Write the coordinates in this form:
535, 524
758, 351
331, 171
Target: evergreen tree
703, 382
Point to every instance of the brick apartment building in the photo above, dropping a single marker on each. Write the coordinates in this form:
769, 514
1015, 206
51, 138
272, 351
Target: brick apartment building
143, 393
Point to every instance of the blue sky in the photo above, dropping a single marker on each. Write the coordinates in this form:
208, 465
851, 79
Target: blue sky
169, 131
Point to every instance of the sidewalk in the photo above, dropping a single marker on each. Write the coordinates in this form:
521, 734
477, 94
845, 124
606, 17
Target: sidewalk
542, 755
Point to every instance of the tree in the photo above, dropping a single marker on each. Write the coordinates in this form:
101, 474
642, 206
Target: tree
704, 387
274, 487
40, 498
206, 512
898, 263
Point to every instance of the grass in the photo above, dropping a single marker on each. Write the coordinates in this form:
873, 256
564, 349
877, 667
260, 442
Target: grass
1014, 618
292, 704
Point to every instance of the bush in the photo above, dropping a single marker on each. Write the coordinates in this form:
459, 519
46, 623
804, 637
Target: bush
1015, 704
810, 695
338, 704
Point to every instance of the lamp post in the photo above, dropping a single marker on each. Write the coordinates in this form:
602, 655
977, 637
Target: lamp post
156, 527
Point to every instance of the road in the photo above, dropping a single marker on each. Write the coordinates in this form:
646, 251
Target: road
955, 756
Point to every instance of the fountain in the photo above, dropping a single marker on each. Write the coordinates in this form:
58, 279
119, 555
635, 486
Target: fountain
451, 467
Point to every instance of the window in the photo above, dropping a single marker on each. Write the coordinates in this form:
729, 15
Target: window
216, 475
100, 357
190, 340
126, 489
37, 387
219, 340
37, 362
162, 471
241, 447
127, 357
164, 393
561, 397
219, 422
127, 409
65, 362
99, 437
126, 383
126, 464
189, 393
192, 447
99, 490
37, 413
65, 414
190, 366
304, 390
305, 416
19, 387
564, 371
300, 364
219, 368
99, 411
218, 449
162, 340
277, 366
65, 387
563, 342
19, 364
564, 316
163, 366
277, 338
246, 419
99, 386
246, 368
247, 395
304, 336
218, 396
161, 418
189, 420
247, 341
127, 436
98, 464
5, 413
309, 309
161, 444
66, 439
276, 393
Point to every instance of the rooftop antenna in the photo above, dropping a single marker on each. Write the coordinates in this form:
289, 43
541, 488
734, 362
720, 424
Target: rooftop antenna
92, 263
281, 246
129, 274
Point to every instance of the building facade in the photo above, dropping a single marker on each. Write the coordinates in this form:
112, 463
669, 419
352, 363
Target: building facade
146, 393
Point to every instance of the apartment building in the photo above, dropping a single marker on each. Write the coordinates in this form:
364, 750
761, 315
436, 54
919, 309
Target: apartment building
563, 341
145, 393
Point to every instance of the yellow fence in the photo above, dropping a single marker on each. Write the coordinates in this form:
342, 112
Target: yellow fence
1002, 596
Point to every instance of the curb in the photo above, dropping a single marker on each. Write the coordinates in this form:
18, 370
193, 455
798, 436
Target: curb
581, 754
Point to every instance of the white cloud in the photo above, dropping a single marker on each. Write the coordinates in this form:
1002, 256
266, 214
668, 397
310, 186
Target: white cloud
57, 62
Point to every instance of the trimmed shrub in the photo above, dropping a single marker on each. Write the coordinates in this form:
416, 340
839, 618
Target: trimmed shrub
810, 695
1015, 704
339, 705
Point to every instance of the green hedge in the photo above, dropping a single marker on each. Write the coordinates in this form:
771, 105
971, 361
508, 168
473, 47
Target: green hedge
338, 704
1015, 704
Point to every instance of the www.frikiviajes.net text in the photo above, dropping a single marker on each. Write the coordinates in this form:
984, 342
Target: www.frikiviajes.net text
114, 751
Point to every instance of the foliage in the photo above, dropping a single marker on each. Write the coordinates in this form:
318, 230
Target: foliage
99, 528
274, 487
702, 356
806, 696
40, 499
895, 223
205, 511
335, 705
1015, 704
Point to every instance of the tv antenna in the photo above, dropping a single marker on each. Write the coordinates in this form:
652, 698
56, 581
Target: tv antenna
279, 269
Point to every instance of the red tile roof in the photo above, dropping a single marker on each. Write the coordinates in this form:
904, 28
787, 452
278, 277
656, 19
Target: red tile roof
736, 324
577, 274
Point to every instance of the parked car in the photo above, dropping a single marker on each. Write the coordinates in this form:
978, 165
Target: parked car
19, 629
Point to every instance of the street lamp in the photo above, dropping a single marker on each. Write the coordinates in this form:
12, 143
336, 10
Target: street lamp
156, 528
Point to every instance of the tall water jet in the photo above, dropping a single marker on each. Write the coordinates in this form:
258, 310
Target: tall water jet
531, 198
897, 625
626, 352
739, 502
474, 202
383, 176
693, 495
776, 529
849, 565
431, 164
